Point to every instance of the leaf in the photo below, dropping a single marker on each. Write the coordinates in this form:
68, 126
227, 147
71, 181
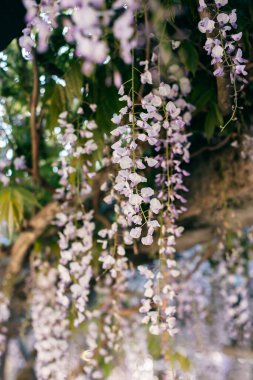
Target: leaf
203, 92
214, 119
63, 97
189, 56
58, 104
13, 201
74, 83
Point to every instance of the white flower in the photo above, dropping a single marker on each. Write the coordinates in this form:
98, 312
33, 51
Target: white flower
121, 90
202, 5
237, 37
145, 306
173, 110
19, 163
108, 261
153, 223
154, 330
155, 205
136, 178
146, 77
135, 233
217, 51
149, 293
126, 162
156, 101
148, 240
147, 192
170, 310
164, 89
135, 200
116, 119
121, 250
145, 272
151, 161
136, 219
221, 3
223, 18
206, 25
185, 86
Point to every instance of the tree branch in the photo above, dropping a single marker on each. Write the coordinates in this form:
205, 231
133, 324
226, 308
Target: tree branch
36, 227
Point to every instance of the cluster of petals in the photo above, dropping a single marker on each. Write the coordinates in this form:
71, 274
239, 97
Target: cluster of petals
104, 333
18, 163
224, 47
149, 127
85, 23
40, 20
233, 280
158, 305
4, 316
50, 326
159, 128
76, 225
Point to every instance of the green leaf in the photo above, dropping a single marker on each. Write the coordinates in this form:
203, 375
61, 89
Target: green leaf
203, 92
13, 201
64, 96
74, 83
214, 119
189, 56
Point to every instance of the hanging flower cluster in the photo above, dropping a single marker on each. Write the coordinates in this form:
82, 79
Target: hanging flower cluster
194, 287
4, 316
41, 20
223, 47
50, 325
6, 166
104, 340
233, 279
76, 224
140, 138
104, 330
85, 23
152, 137
113, 240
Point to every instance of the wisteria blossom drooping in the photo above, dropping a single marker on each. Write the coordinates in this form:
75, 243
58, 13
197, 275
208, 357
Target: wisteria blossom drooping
50, 325
223, 44
152, 136
76, 224
4, 316
85, 23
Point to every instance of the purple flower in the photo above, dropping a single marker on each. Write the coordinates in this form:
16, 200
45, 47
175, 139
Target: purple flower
222, 18
206, 25
19, 163
237, 37
217, 53
219, 72
202, 5
221, 3
240, 70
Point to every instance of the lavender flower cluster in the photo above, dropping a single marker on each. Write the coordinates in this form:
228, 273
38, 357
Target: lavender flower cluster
19, 165
85, 23
4, 316
233, 279
50, 326
222, 41
152, 136
134, 129
75, 223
